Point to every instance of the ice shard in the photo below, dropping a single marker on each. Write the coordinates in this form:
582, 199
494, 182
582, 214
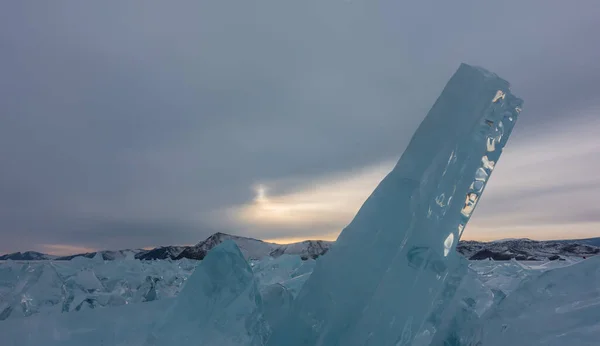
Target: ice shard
408, 228
219, 305
458, 323
277, 300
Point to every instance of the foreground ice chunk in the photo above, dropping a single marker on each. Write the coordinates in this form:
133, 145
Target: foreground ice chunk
560, 307
408, 228
29, 289
219, 305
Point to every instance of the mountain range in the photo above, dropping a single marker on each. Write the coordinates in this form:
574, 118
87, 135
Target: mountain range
528, 250
250, 247
506, 249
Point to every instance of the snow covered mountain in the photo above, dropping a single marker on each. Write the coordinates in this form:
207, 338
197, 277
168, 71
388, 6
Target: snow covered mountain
306, 249
251, 248
107, 255
160, 253
26, 256
256, 249
527, 249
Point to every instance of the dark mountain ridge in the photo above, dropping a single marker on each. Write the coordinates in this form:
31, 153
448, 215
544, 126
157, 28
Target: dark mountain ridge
519, 249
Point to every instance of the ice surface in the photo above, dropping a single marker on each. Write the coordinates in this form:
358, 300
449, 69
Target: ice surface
277, 301
441, 315
133, 322
276, 270
408, 228
485, 286
456, 322
295, 284
126, 325
219, 305
559, 307
505, 276
28, 288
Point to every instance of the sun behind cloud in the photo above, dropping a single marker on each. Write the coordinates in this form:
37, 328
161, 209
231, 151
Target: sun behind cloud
531, 194
327, 203
65, 250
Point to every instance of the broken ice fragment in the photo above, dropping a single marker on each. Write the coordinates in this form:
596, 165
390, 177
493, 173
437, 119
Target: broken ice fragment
277, 300
219, 305
402, 229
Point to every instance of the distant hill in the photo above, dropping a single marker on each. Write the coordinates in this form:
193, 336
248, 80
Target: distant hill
250, 247
257, 249
505, 249
527, 249
108, 255
588, 241
26, 256
160, 253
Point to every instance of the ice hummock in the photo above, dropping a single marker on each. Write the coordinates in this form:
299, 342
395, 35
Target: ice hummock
277, 301
559, 307
135, 323
408, 228
483, 290
516, 303
121, 325
219, 305
28, 288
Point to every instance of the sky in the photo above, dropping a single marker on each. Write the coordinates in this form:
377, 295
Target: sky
130, 124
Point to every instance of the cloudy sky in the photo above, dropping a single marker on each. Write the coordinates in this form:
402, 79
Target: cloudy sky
136, 124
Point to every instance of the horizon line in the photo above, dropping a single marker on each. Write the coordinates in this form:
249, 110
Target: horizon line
278, 241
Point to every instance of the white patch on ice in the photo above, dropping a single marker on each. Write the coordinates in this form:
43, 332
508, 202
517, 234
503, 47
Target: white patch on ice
448, 244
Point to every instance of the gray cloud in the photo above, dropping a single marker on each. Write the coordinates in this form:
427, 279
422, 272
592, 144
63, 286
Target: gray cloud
158, 114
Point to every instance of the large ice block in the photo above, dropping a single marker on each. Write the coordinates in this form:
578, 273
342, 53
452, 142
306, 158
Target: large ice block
408, 228
219, 305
